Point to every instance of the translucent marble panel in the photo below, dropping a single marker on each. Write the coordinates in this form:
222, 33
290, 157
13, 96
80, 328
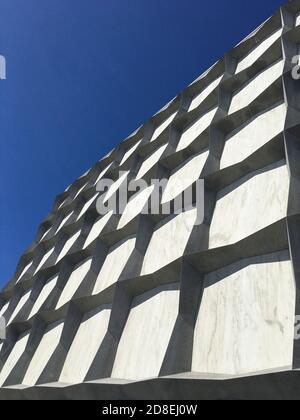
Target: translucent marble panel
13, 357
44, 259
194, 130
130, 152
45, 292
135, 206
43, 353
85, 345
79, 191
68, 245
87, 206
246, 320
249, 205
19, 306
204, 94
255, 87
114, 264
102, 173
45, 234
4, 307
25, 269
151, 161
97, 229
258, 51
246, 140
184, 177
163, 126
147, 334
63, 222
115, 186
74, 282
168, 241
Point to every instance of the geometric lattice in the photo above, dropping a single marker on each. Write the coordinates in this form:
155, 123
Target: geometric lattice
154, 306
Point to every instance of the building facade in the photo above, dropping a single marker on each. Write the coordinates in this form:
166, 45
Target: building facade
138, 305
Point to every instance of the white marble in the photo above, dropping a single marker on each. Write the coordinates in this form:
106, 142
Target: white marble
168, 241
85, 174
195, 129
25, 269
258, 51
79, 191
46, 233
246, 320
198, 99
114, 264
87, 205
62, 204
243, 209
43, 260
85, 345
13, 357
42, 297
19, 306
103, 172
250, 137
162, 127
135, 206
185, 176
97, 229
74, 281
146, 334
255, 87
115, 186
130, 152
204, 74
68, 245
252, 33
63, 222
151, 160
4, 307
43, 353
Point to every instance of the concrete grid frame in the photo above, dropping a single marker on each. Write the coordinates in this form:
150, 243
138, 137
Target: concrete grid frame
152, 306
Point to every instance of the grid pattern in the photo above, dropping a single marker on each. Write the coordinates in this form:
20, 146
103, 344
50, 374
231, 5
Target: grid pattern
100, 304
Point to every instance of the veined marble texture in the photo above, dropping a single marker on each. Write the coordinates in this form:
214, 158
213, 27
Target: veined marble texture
153, 304
250, 205
246, 318
151, 320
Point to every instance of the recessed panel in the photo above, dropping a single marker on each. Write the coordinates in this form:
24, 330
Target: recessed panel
247, 139
146, 336
43, 353
255, 87
258, 51
246, 318
195, 129
168, 241
85, 345
114, 264
249, 205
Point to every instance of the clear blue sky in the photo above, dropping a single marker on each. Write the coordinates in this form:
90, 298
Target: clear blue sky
81, 76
